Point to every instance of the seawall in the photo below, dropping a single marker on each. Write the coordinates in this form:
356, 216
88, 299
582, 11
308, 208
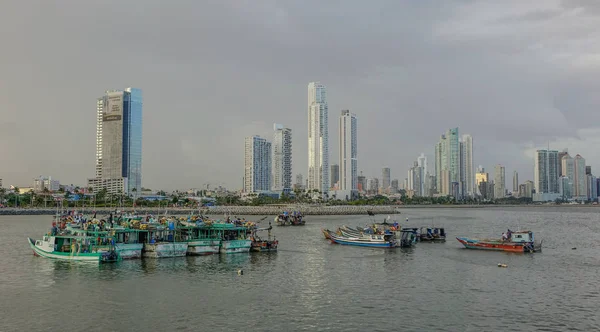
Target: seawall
275, 210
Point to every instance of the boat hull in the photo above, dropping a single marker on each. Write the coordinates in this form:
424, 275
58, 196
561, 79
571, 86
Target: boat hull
359, 243
203, 247
73, 257
164, 250
262, 246
497, 245
235, 246
129, 250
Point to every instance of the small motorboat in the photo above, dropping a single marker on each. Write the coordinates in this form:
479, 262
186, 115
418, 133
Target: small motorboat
521, 241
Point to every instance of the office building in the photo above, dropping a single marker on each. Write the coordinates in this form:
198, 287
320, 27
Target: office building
385, 178
499, 182
119, 142
43, 183
560, 157
467, 168
318, 139
515, 187
348, 150
579, 178
282, 159
335, 175
257, 165
546, 172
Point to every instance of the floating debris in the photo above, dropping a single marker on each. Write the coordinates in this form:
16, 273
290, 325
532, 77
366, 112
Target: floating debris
502, 265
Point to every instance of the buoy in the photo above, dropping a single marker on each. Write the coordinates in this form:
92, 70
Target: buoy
240, 272
502, 265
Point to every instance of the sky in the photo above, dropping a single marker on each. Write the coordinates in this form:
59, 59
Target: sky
516, 75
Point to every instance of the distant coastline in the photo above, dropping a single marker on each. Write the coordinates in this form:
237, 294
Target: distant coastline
275, 210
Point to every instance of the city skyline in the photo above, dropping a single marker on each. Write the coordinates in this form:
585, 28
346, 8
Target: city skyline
401, 107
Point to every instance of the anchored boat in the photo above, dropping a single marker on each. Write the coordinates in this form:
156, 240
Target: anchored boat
259, 244
386, 240
521, 241
72, 248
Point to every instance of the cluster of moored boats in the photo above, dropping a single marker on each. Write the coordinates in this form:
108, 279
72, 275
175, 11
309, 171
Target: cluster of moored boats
75, 238
385, 235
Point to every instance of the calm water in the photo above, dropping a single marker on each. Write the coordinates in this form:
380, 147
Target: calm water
313, 285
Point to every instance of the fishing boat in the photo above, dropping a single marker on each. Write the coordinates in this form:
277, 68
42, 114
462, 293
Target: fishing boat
287, 219
386, 240
202, 239
520, 241
432, 234
326, 233
234, 238
259, 244
161, 242
72, 248
408, 237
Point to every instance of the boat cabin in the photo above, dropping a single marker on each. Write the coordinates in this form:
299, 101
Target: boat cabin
522, 236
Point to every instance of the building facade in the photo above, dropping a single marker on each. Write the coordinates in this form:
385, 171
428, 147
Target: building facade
348, 150
545, 172
257, 164
119, 142
45, 183
579, 178
282, 159
335, 175
386, 178
318, 139
499, 182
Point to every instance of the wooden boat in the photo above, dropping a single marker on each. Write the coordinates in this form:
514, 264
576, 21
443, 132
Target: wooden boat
521, 241
234, 239
287, 219
374, 240
408, 237
326, 233
163, 243
71, 248
261, 245
201, 240
432, 234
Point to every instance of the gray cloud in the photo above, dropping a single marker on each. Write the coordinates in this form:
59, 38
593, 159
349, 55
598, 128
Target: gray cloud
513, 74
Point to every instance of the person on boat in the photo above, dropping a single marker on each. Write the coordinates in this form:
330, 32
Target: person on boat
508, 234
503, 236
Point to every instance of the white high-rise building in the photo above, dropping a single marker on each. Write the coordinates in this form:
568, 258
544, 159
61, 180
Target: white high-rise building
348, 168
567, 176
282, 159
119, 142
318, 139
257, 164
467, 165
499, 182
422, 161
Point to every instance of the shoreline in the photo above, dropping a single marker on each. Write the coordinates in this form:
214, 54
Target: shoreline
275, 210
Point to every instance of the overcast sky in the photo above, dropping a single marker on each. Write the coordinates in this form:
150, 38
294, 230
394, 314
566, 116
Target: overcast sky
514, 74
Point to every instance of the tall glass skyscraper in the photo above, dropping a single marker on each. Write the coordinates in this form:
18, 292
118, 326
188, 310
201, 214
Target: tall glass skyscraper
318, 139
119, 142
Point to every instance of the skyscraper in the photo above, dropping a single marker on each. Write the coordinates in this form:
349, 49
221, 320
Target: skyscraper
282, 159
515, 181
545, 173
499, 182
119, 142
579, 180
348, 150
467, 165
257, 164
334, 174
447, 154
561, 154
422, 161
386, 178
318, 139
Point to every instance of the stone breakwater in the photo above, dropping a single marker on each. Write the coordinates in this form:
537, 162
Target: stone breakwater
224, 210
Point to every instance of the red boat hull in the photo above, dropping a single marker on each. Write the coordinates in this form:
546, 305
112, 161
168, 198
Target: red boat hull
493, 245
